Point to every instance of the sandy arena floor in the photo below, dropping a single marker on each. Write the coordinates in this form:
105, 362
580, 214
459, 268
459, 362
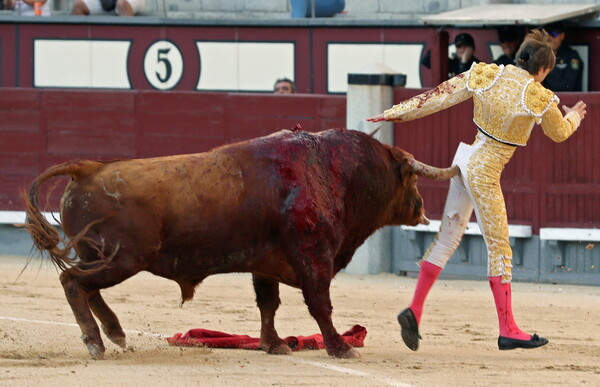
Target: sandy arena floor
40, 343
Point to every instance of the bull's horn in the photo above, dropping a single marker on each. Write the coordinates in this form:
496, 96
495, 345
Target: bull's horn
432, 172
424, 220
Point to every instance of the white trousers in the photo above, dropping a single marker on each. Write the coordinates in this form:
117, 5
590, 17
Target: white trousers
477, 188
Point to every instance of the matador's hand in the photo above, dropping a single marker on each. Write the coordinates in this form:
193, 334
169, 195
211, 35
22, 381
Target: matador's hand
579, 107
377, 118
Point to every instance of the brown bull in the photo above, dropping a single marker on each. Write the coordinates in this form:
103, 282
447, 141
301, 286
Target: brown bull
291, 207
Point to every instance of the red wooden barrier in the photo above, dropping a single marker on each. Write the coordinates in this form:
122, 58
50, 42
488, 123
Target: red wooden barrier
545, 185
39, 128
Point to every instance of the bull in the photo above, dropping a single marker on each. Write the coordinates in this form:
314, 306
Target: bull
290, 208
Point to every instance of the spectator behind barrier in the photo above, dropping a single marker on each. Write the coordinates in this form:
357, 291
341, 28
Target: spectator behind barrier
29, 7
465, 54
568, 72
510, 38
107, 7
461, 60
323, 8
284, 86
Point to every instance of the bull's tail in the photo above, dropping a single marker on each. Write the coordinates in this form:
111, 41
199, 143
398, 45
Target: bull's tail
46, 237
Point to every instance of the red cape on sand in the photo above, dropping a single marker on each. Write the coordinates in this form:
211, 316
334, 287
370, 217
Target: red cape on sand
213, 339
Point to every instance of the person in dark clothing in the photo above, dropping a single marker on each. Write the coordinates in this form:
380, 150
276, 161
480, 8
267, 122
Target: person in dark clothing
568, 72
463, 58
465, 55
510, 38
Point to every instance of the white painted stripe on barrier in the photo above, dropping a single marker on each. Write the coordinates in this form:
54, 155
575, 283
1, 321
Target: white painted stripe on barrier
240, 66
18, 217
570, 234
99, 63
514, 230
343, 370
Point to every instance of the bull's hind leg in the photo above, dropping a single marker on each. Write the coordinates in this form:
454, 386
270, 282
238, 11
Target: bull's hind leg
109, 320
81, 290
78, 299
267, 299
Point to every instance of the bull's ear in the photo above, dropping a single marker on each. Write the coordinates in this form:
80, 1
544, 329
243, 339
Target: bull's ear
401, 165
400, 155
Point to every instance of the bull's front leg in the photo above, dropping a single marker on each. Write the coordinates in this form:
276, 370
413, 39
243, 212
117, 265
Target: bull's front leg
267, 299
316, 274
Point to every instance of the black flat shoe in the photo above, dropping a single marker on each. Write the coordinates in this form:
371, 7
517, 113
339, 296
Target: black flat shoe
410, 329
508, 343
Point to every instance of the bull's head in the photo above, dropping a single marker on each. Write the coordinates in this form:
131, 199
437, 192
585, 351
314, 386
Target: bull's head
408, 206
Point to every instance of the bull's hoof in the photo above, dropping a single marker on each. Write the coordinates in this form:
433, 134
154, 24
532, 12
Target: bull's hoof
352, 353
95, 351
281, 349
276, 349
120, 341
117, 338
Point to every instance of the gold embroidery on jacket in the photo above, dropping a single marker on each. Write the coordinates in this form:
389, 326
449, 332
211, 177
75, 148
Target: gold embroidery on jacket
537, 99
506, 104
483, 76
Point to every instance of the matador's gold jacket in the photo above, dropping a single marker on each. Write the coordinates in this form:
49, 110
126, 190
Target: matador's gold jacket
507, 103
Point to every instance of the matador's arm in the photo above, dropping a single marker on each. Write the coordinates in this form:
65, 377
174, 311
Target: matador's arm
557, 127
445, 95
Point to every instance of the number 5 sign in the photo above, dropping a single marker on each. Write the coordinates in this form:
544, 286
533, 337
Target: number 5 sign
163, 65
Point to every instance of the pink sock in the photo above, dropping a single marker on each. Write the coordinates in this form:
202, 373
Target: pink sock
427, 276
506, 321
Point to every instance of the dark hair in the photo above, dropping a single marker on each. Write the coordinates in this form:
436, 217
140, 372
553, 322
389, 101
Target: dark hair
555, 27
464, 39
284, 79
511, 33
536, 52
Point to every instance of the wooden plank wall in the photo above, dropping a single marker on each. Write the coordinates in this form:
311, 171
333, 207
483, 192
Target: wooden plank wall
40, 128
